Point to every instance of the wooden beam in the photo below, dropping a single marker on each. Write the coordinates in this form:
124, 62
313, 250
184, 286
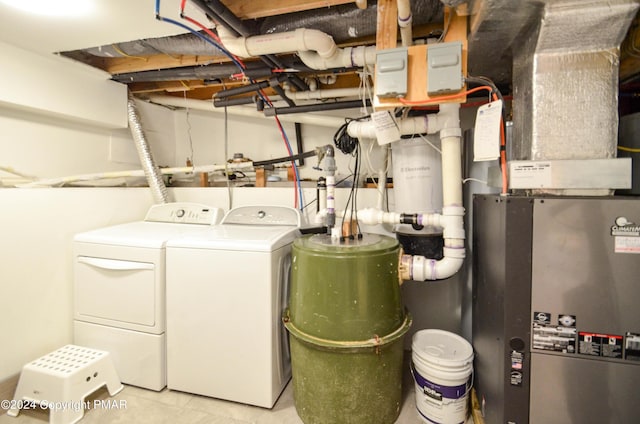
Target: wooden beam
121, 65
457, 29
252, 9
387, 25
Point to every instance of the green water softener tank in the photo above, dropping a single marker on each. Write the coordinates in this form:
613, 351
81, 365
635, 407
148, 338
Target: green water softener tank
346, 324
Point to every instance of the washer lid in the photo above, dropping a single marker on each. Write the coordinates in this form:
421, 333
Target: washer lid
256, 238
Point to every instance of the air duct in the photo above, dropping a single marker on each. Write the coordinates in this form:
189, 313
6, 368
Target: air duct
151, 170
566, 83
183, 44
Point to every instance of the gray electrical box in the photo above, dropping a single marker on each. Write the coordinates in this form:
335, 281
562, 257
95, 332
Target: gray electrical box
444, 67
391, 72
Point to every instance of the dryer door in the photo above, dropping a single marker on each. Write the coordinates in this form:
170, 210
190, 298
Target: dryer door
115, 292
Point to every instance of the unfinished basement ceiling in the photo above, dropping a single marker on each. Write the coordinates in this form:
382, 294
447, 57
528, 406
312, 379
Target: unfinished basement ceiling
171, 65
183, 64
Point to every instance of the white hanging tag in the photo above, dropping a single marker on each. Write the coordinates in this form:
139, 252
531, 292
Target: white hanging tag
387, 130
486, 136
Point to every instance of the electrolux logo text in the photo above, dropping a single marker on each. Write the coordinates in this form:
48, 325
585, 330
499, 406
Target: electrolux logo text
415, 168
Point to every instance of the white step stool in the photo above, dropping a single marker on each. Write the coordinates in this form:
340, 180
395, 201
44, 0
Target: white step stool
61, 380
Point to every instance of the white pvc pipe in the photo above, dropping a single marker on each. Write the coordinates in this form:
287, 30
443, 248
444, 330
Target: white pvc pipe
315, 48
134, 173
371, 216
348, 57
330, 93
452, 212
404, 22
426, 124
205, 105
301, 39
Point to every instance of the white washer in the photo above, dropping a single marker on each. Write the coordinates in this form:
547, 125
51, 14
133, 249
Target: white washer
119, 288
226, 290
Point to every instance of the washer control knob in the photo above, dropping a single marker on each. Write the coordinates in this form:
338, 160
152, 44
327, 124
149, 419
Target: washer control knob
180, 213
262, 214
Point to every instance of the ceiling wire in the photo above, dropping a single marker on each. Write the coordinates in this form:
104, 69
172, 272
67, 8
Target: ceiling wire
191, 156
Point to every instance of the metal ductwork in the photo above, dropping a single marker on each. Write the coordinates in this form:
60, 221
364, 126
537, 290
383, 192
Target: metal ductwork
566, 81
565, 56
187, 44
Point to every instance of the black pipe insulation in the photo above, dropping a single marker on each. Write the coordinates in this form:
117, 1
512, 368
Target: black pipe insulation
316, 107
223, 94
276, 87
256, 86
215, 9
299, 146
308, 154
247, 100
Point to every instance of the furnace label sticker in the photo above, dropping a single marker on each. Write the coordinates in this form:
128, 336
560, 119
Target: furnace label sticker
517, 359
626, 236
560, 337
531, 174
627, 245
516, 378
602, 345
517, 362
632, 347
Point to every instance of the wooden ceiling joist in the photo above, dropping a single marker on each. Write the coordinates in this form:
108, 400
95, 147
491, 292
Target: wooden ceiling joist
251, 9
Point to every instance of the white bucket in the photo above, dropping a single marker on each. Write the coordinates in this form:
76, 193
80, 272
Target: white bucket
442, 365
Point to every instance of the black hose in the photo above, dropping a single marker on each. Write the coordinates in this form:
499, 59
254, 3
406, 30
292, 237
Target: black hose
247, 100
299, 147
315, 107
308, 154
223, 94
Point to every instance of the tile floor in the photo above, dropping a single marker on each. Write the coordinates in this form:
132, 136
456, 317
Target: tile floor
144, 406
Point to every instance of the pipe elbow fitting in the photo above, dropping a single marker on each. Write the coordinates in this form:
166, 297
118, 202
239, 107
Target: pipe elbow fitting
318, 41
424, 269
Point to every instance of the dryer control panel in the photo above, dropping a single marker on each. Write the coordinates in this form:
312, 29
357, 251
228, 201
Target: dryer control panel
184, 213
263, 215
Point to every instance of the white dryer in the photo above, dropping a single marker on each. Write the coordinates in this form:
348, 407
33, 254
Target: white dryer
226, 290
119, 288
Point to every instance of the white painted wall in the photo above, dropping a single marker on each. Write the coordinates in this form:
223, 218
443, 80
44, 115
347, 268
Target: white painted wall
37, 226
53, 86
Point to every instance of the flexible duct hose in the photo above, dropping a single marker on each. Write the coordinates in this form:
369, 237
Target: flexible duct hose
151, 170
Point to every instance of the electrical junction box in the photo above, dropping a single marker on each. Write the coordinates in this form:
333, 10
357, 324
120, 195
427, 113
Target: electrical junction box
391, 72
444, 67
